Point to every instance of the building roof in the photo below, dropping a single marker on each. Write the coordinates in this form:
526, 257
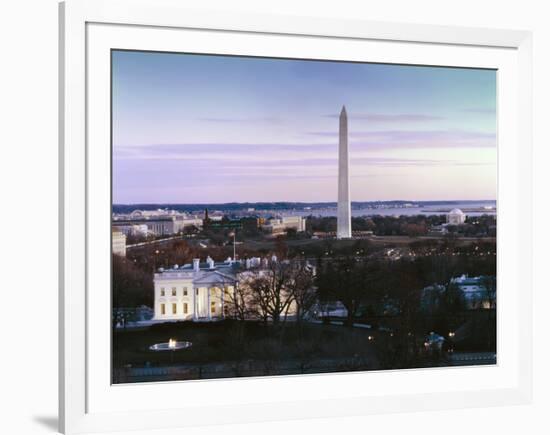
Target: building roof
456, 211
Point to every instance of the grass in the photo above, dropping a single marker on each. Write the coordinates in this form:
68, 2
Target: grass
231, 349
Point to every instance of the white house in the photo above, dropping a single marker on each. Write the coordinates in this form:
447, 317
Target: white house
195, 291
206, 291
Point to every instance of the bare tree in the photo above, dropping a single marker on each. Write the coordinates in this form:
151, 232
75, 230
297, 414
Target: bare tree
302, 287
348, 280
270, 291
490, 294
240, 301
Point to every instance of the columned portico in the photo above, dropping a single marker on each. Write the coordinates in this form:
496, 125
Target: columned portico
193, 292
208, 304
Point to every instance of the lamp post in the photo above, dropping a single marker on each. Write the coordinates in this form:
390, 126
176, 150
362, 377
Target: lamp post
233, 233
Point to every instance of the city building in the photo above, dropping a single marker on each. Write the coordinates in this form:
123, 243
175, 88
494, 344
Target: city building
194, 291
119, 242
158, 222
479, 292
456, 217
438, 230
204, 291
133, 229
344, 205
280, 225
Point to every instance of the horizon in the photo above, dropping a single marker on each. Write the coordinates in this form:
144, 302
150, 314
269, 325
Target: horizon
302, 202
210, 129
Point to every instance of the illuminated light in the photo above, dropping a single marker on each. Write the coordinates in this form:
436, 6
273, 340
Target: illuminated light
172, 343
371, 338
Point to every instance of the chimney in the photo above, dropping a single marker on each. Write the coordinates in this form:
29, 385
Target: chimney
210, 262
196, 262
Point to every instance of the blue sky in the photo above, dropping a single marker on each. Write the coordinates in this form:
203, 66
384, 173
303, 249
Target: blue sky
210, 129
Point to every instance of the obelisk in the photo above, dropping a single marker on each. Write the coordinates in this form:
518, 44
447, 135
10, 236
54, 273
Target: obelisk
344, 206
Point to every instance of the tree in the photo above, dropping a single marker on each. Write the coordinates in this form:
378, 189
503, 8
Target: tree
132, 287
348, 280
302, 287
239, 301
489, 283
270, 291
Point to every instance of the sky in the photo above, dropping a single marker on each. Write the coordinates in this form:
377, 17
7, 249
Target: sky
190, 128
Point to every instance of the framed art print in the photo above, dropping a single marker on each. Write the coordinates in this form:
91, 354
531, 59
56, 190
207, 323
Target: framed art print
259, 205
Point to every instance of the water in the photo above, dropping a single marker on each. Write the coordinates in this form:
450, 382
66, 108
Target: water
470, 208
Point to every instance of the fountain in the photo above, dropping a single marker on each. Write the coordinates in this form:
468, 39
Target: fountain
172, 344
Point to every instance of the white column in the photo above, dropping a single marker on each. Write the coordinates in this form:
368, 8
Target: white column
208, 303
194, 303
223, 294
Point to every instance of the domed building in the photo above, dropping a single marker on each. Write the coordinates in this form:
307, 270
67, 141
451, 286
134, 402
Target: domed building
456, 217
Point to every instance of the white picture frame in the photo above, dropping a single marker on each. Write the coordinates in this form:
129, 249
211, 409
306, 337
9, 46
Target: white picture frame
88, 403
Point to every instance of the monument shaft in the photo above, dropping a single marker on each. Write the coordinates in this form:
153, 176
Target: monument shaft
344, 204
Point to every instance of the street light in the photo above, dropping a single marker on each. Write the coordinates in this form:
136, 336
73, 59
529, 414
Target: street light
233, 233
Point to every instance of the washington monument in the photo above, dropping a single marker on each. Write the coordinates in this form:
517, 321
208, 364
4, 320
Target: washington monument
344, 206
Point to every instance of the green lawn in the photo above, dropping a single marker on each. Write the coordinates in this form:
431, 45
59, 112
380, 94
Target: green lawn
228, 346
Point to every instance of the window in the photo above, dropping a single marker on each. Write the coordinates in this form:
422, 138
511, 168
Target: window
185, 291
197, 291
162, 309
174, 308
184, 308
162, 292
174, 291
212, 307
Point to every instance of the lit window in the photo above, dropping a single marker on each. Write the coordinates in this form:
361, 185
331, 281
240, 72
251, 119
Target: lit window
212, 307
174, 308
174, 291
184, 308
162, 292
162, 309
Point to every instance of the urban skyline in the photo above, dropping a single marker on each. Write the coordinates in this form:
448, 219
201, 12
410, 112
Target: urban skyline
218, 129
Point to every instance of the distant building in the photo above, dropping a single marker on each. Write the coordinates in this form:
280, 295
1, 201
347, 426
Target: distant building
456, 217
119, 243
479, 292
251, 223
133, 229
438, 230
282, 224
158, 222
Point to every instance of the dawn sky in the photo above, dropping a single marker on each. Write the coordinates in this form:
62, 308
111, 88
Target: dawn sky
212, 129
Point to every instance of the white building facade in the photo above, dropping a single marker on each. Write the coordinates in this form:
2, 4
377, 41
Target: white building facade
194, 292
119, 243
282, 224
206, 291
456, 217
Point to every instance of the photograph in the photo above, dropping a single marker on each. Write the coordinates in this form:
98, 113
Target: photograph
281, 216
